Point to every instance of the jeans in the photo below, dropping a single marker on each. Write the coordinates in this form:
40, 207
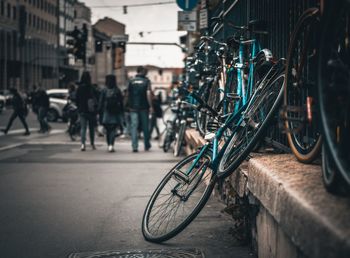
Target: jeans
154, 125
42, 118
21, 117
135, 117
110, 133
85, 121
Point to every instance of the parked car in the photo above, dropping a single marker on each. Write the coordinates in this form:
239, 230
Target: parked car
2, 102
58, 100
7, 95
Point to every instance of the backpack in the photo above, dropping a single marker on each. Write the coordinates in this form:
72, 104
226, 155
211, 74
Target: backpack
113, 101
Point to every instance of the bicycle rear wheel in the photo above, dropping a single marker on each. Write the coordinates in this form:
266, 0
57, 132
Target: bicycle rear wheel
302, 121
178, 199
334, 88
255, 119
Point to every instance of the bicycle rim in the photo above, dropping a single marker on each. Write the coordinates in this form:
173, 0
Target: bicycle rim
302, 118
334, 89
168, 212
256, 118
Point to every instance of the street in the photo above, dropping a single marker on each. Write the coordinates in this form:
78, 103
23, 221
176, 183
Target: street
57, 201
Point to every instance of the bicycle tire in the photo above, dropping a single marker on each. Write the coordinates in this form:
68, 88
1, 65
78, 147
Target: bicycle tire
179, 139
236, 152
333, 86
204, 179
202, 117
303, 134
167, 140
331, 177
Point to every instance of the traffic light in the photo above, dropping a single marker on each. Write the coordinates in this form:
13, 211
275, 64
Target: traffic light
77, 44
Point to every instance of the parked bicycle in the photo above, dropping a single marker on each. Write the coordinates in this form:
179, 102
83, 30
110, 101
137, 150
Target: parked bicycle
186, 188
317, 84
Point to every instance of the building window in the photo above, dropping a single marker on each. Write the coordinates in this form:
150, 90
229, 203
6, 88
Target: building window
2, 8
30, 19
34, 21
42, 4
14, 12
8, 11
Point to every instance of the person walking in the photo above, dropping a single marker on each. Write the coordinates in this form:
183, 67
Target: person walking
20, 110
42, 103
111, 104
157, 113
87, 107
139, 102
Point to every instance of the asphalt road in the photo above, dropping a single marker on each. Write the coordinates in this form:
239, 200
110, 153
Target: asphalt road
56, 200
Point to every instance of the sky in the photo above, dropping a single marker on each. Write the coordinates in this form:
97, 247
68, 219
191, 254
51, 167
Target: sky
158, 24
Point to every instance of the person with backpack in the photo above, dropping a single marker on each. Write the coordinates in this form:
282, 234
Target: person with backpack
87, 107
140, 104
111, 105
20, 110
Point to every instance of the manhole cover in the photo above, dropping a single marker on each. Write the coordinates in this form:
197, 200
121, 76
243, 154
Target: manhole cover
151, 253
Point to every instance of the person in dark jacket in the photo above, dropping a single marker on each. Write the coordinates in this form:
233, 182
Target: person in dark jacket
19, 110
42, 104
87, 107
111, 105
139, 102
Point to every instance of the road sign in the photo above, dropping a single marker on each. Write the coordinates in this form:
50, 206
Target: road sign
203, 19
120, 38
187, 21
186, 5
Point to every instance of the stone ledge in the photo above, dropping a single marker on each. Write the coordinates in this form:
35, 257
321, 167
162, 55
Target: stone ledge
193, 140
316, 222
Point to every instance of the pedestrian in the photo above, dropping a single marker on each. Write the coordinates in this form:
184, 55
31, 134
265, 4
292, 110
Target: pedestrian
111, 104
42, 104
20, 110
157, 113
139, 102
87, 108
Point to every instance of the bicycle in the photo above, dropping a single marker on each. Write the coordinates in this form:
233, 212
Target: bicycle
334, 94
300, 101
183, 192
235, 78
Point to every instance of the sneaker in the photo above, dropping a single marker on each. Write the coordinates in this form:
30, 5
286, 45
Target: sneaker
93, 146
82, 148
135, 150
26, 133
4, 131
110, 148
148, 148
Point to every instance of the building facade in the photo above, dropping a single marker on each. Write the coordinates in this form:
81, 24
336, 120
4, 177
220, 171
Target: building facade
28, 44
115, 65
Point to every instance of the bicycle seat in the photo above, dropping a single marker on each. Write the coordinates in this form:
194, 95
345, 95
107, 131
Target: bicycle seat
258, 26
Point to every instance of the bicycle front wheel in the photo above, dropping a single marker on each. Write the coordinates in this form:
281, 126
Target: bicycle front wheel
178, 199
302, 121
257, 116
